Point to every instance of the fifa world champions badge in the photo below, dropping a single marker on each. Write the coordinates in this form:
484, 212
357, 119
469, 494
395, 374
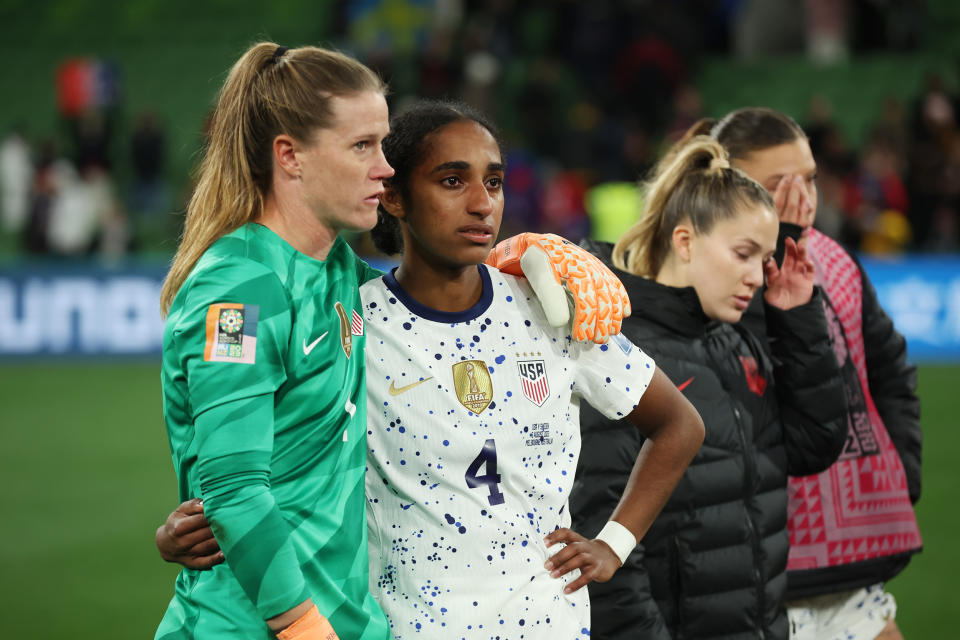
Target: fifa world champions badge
231, 333
471, 380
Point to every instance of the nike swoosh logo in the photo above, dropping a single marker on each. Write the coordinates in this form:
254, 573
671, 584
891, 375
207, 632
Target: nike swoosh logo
307, 348
395, 390
684, 385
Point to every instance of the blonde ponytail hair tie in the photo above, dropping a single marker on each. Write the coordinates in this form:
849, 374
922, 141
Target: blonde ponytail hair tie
718, 163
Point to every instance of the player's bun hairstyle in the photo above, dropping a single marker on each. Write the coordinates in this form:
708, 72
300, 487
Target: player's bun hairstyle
270, 90
405, 148
744, 131
693, 183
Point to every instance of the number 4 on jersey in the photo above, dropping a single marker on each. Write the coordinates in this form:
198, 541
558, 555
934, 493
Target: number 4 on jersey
488, 457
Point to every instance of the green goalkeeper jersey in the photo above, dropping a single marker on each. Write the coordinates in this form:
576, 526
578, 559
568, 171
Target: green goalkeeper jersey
265, 404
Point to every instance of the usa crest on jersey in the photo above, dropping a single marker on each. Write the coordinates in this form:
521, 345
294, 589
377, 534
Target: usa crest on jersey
346, 329
533, 380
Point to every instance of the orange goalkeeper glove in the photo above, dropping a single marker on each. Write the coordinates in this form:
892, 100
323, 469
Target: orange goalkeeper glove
598, 300
309, 626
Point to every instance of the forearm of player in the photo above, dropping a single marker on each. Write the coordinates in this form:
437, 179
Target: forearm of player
809, 386
186, 538
674, 432
233, 465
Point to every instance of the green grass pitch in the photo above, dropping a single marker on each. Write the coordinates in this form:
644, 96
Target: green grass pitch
87, 478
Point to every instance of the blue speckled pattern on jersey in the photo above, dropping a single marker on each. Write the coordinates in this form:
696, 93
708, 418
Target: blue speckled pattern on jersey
473, 445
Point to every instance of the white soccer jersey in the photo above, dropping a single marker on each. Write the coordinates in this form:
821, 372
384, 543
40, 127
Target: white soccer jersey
473, 443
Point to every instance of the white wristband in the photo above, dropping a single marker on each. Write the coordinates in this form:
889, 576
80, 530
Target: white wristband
619, 538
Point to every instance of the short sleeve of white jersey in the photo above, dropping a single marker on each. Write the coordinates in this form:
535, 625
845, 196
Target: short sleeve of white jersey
613, 377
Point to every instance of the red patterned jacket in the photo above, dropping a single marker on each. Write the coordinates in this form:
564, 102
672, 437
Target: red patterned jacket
853, 524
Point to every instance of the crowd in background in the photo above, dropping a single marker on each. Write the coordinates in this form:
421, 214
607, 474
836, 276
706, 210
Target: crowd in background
901, 189
587, 95
67, 203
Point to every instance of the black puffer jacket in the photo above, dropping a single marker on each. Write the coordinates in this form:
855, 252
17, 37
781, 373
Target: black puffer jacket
713, 564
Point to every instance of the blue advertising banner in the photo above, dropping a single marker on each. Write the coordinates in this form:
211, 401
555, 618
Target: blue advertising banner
62, 309
79, 309
922, 295
65, 309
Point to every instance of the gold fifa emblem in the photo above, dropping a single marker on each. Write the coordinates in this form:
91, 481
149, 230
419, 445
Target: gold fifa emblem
471, 379
346, 332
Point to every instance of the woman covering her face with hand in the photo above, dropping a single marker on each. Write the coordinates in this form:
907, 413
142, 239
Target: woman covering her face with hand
713, 563
837, 566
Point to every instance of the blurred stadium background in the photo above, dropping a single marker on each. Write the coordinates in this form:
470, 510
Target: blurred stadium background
102, 115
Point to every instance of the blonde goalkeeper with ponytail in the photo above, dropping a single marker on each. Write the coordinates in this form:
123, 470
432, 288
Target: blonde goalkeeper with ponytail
263, 372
